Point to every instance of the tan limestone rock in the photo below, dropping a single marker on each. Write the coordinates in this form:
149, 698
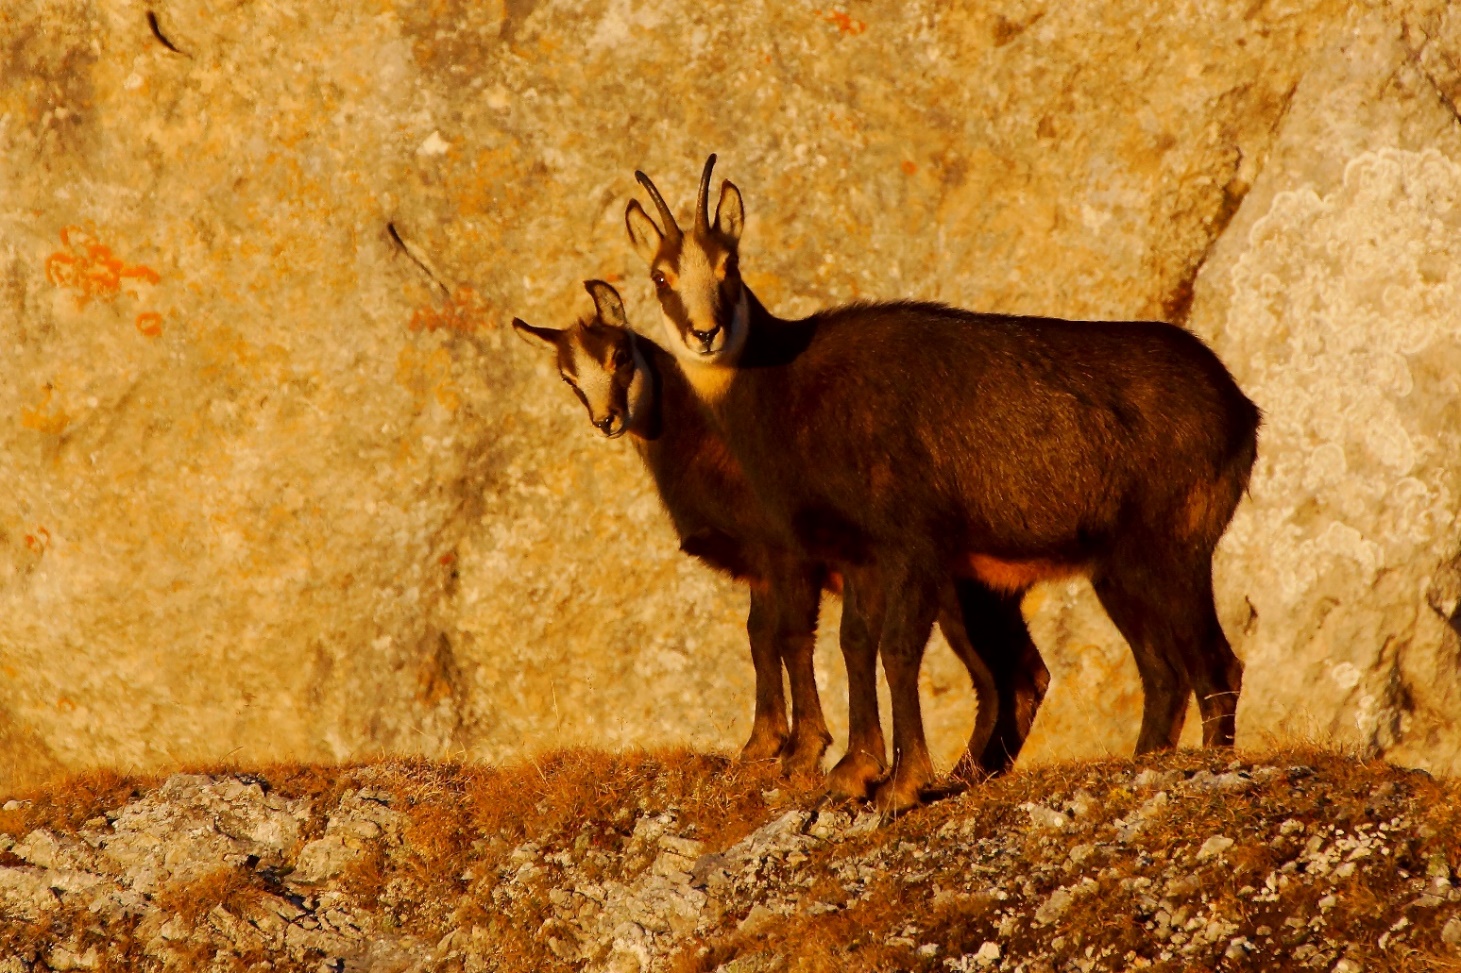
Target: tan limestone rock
276, 483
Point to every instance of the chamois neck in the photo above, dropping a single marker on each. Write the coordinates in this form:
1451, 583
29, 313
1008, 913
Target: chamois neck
646, 394
770, 340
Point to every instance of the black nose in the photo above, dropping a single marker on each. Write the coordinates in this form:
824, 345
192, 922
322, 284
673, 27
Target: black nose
605, 424
706, 337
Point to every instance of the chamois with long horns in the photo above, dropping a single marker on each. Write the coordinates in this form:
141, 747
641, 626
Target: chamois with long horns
628, 384
931, 441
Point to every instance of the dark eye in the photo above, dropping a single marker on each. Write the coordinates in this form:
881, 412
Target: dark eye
621, 358
660, 284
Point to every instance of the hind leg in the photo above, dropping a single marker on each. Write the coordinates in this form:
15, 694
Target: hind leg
989, 705
1217, 674
1142, 614
987, 630
865, 762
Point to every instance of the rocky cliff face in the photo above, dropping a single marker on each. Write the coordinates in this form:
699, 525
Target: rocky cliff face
276, 481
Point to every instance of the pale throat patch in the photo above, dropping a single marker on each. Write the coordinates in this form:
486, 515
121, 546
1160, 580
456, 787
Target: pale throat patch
711, 375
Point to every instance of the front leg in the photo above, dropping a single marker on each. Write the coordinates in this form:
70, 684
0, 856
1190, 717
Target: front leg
912, 603
768, 728
865, 762
798, 592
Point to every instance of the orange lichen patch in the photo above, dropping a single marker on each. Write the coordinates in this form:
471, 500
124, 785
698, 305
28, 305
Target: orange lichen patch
39, 541
909, 166
463, 312
88, 268
44, 416
844, 22
149, 323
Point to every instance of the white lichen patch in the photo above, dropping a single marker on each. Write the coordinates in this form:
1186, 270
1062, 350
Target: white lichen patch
1345, 327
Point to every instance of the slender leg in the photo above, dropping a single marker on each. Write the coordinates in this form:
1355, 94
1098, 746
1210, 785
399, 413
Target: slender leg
1217, 674
912, 604
798, 587
989, 704
1030, 683
768, 728
1143, 620
865, 762
987, 630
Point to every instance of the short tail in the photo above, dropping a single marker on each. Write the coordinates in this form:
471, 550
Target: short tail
1210, 505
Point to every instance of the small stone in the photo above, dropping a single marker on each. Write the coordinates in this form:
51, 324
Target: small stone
62, 958
988, 953
1184, 886
1328, 902
757, 920
623, 961
1451, 931
1045, 817
1213, 847
1149, 778
928, 949
1347, 965
682, 846
1054, 907
322, 859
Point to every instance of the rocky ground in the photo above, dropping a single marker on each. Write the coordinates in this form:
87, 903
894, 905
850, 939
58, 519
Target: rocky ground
680, 862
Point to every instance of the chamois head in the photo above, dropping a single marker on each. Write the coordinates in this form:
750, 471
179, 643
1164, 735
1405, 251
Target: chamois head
598, 359
696, 274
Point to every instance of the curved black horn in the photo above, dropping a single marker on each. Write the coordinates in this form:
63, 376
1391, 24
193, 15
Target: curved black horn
672, 229
702, 214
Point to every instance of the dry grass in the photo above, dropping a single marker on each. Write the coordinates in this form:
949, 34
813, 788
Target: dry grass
68, 803
1355, 791
462, 822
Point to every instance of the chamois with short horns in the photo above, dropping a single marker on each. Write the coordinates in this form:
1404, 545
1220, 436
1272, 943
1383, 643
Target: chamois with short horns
932, 441
628, 383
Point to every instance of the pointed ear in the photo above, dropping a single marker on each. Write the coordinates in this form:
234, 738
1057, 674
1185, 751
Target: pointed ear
608, 303
549, 336
730, 215
643, 232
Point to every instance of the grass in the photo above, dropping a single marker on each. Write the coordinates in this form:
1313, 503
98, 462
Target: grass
461, 824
